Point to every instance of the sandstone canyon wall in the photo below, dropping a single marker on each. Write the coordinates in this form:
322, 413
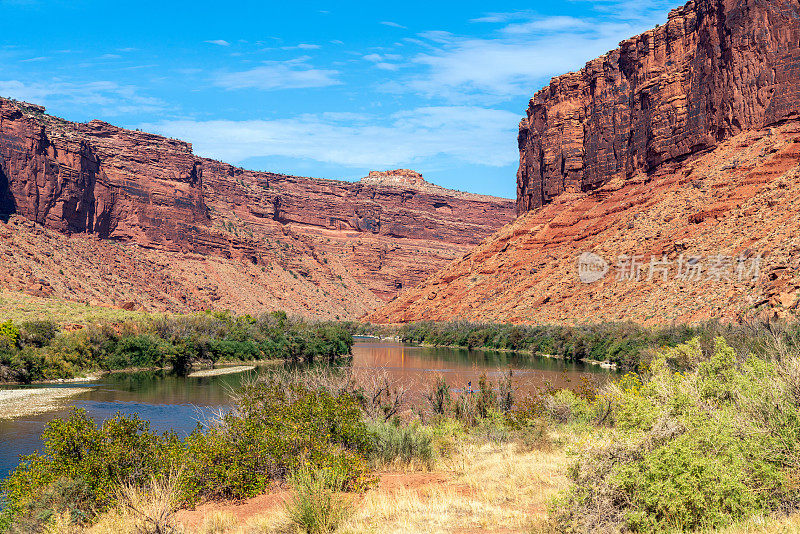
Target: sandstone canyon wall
684, 143
155, 225
715, 69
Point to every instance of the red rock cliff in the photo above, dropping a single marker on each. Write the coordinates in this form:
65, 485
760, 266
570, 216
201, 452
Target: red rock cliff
717, 68
322, 247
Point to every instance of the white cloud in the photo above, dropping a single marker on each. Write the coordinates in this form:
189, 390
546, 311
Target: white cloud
523, 52
274, 75
301, 46
393, 24
549, 24
502, 17
379, 61
473, 135
219, 42
105, 98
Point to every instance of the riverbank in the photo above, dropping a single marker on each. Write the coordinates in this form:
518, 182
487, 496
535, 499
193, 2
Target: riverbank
486, 460
40, 350
30, 401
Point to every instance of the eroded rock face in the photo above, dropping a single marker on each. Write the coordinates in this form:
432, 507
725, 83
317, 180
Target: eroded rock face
682, 143
322, 247
717, 68
733, 211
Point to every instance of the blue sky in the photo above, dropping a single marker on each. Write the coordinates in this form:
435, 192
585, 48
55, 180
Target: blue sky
323, 89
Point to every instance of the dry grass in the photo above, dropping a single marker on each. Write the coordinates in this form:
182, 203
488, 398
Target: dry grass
766, 525
479, 487
23, 307
487, 488
143, 510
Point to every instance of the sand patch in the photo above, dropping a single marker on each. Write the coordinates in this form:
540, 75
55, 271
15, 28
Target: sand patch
221, 371
22, 402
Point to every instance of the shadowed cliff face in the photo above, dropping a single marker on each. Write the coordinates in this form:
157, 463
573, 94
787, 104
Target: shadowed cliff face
715, 69
321, 247
7, 206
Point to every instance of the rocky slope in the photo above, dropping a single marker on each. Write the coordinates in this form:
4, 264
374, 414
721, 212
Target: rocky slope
674, 160
100, 214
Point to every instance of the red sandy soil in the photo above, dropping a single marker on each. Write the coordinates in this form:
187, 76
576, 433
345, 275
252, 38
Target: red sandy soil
272, 501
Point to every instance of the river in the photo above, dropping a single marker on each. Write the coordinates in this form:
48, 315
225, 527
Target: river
180, 403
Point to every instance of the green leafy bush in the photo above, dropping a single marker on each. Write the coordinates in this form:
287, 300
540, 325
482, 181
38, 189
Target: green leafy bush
277, 429
694, 450
82, 465
38, 333
9, 332
138, 351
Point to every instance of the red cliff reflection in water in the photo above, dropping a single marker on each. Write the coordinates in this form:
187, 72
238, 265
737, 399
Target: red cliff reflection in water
417, 367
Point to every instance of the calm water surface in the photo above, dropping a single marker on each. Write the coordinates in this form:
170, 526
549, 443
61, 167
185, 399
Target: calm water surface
180, 403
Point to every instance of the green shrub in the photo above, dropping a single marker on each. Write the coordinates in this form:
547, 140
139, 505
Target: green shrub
38, 333
62, 496
138, 351
316, 505
695, 450
486, 398
9, 332
439, 399
564, 406
276, 429
88, 461
396, 443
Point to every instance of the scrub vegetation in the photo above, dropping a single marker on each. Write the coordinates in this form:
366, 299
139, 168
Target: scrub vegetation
702, 436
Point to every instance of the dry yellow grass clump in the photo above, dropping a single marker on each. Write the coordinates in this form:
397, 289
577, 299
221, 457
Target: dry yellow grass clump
484, 487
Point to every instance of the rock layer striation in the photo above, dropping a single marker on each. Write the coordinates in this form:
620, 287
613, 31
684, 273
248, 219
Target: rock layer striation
321, 247
682, 145
715, 69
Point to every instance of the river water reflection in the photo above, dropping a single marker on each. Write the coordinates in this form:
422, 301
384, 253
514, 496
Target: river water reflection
179, 403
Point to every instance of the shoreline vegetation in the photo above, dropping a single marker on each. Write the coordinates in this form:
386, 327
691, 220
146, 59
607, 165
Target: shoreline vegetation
699, 439
616, 345
701, 434
40, 350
